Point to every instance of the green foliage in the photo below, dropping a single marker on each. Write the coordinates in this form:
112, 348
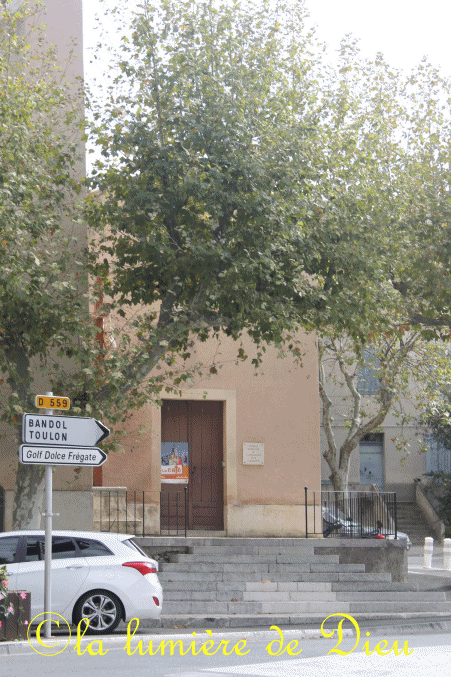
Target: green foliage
244, 184
440, 491
249, 184
404, 367
40, 260
4, 613
203, 167
437, 413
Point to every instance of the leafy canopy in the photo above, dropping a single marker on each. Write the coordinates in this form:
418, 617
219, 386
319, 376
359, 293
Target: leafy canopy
40, 260
208, 143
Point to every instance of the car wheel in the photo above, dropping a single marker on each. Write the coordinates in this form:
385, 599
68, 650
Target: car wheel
102, 609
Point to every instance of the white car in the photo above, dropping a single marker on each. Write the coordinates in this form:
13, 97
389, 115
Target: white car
103, 577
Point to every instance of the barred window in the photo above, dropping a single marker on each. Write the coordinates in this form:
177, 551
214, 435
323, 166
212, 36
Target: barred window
367, 381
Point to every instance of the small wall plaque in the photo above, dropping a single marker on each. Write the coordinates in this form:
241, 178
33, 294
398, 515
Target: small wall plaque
253, 453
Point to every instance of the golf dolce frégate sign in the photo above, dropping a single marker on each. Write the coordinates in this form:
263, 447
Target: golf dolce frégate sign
62, 440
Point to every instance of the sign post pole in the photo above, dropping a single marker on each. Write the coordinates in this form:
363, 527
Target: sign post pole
48, 544
58, 439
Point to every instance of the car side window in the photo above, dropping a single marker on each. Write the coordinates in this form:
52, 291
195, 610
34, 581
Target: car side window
61, 548
8, 548
89, 548
35, 549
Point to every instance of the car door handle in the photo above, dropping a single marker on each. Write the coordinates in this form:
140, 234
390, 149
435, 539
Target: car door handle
75, 567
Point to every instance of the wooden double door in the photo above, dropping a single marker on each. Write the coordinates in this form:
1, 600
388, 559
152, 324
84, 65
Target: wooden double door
200, 424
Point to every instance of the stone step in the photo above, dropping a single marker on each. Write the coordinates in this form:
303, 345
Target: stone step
399, 607
268, 586
254, 549
389, 596
226, 541
292, 607
202, 586
354, 579
375, 586
203, 595
263, 567
411, 520
268, 558
289, 596
235, 595
253, 607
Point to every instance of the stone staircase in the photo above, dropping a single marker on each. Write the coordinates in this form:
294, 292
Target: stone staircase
411, 520
250, 582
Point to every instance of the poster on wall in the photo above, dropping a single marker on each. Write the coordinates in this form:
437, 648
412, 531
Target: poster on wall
174, 463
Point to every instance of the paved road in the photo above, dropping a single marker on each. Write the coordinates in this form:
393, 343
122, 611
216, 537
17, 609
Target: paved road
419, 656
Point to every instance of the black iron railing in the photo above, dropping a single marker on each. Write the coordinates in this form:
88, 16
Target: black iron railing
2, 509
141, 512
352, 514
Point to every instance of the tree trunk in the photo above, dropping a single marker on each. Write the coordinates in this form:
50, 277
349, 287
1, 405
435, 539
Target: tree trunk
28, 497
339, 478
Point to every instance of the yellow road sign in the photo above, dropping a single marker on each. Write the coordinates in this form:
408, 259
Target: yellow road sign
53, 402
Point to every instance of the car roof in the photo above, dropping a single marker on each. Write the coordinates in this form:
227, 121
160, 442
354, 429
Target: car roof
98, 535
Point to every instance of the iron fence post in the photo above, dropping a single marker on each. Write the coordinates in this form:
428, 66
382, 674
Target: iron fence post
396, 516
117, 510
306, 518
314, 512
134, 514
186, 504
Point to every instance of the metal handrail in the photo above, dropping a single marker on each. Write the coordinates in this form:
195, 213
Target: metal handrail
119, 507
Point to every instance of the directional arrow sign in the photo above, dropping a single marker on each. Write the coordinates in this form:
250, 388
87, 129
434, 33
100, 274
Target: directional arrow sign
41, 455
62, 430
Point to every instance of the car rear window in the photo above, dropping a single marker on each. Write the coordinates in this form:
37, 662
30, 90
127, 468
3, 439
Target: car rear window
63, 548
89, 548
8, 547
134, 546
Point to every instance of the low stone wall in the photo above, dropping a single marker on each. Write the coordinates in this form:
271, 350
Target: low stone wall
74, 508
271, 521
379, 556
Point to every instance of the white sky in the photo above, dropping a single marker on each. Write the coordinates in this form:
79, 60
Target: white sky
403, 30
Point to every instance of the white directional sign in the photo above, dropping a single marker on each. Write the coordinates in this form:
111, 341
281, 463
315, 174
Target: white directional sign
41, 455
62, 430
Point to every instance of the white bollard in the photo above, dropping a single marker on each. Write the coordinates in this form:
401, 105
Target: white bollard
447, 553
428, 549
